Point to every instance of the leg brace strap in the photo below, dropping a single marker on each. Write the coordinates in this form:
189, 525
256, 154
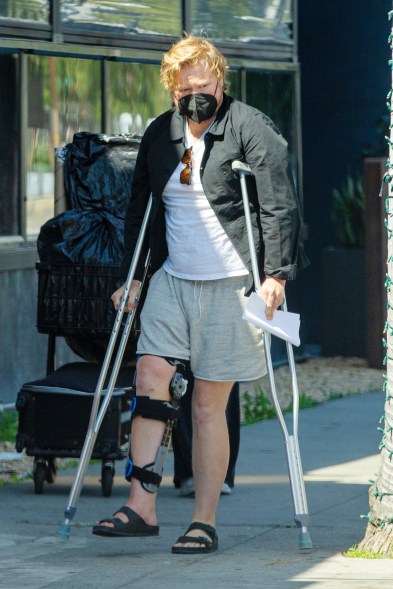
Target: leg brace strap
142, 474
152, 409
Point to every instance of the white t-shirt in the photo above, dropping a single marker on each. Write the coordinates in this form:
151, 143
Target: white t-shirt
199, 248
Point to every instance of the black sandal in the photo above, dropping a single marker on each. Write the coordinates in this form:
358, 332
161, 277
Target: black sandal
206, 544
135, 526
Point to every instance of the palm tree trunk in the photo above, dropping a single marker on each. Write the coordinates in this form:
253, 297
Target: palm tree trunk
379, 533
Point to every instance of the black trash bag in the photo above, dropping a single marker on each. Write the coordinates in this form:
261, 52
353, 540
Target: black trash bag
98, 171
80, 255
82, 237
81, 250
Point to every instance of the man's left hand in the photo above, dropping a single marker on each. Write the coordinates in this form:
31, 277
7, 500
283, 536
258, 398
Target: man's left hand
272, 291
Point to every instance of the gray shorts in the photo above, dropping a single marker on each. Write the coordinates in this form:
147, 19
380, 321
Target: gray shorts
201, 321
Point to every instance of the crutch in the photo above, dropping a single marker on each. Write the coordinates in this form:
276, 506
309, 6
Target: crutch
96, 417
291, 441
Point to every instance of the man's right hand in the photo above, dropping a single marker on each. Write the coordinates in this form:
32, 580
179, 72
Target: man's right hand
132, 296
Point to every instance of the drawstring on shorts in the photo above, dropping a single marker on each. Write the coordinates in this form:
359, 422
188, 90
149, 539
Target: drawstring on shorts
197, 297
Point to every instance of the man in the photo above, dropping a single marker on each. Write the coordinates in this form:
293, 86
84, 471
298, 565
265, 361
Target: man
202, 271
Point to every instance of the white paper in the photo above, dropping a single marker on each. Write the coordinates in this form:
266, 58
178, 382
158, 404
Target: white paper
284, 324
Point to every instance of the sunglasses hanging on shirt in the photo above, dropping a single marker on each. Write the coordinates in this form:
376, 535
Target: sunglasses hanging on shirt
185, 174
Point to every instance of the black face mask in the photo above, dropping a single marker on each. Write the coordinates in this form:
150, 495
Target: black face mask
198, 107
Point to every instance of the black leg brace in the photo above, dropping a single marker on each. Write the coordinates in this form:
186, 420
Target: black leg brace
151, 475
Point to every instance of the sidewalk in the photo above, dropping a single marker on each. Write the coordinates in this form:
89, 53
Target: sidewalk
258, 541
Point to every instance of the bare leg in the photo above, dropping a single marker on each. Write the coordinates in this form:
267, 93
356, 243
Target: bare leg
210, 449
153, 377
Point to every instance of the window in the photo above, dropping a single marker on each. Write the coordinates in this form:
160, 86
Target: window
245, 20
121, 16
9, 138
273, 94
135, 96
25, 10
64, 96
46, 99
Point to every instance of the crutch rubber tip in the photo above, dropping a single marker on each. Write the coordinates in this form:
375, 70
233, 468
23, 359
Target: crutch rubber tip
64, 532
305, 541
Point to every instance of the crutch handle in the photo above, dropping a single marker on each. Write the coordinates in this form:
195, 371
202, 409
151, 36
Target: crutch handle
241, 167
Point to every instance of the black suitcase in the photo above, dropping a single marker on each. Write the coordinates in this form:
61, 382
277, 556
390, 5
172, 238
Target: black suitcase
54, 416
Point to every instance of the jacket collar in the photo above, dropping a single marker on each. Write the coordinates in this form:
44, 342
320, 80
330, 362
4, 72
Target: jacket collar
176, 131
218, 127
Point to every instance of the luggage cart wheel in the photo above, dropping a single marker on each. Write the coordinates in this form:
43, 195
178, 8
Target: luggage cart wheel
51, 470
39, 475
107, 474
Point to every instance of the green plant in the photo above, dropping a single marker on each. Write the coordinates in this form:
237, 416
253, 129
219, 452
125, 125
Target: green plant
353, 552
8, 425
305, 402
256, 407
349, 212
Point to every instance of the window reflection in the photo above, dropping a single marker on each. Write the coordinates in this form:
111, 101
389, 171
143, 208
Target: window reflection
273, 94
29, 10
63, 98
244, 20
152, 17
232, 79
136, 96
9, 139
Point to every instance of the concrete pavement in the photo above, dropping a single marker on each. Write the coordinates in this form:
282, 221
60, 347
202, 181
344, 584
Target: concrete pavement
258, 541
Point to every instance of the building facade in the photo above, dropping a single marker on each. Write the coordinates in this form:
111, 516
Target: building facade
89, 65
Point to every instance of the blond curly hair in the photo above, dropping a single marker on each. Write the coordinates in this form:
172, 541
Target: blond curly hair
189, 52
